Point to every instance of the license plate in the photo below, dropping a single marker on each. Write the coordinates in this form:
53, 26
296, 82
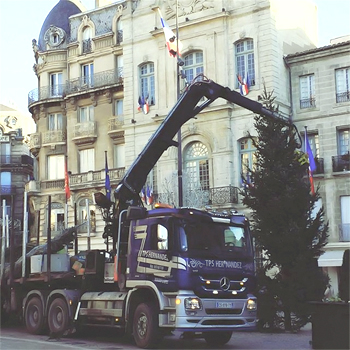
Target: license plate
224, 305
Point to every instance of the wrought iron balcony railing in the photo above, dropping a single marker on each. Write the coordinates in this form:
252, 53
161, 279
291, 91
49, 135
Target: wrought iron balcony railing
341, 163
344, 232
217, 196
308, 103
343, 96
16, 160
87, 46
46, 92
319, 166
54, 136
109, 77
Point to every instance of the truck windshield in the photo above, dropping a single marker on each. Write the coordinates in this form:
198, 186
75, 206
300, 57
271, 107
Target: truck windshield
214, 239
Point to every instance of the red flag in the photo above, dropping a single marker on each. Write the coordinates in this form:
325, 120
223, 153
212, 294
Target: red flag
66, 181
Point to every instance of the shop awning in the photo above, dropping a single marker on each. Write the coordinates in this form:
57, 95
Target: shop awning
331, 258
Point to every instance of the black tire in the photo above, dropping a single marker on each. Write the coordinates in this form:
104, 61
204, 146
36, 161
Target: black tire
219, 338
145, 326
58, 317
34, 316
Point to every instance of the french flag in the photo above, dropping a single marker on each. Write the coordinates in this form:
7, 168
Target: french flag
174, 45
244, 84
149, 195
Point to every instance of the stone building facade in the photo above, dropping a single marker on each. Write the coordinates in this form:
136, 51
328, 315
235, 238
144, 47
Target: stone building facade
320, 97
95, 67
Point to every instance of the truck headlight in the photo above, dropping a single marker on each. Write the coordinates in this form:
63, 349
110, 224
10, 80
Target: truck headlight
251, 304
193, 304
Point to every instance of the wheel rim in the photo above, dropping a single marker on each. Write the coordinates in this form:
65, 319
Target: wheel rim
58, 318
142, 325
33, 315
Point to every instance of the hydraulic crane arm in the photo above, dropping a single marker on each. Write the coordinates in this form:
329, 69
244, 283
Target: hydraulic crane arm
186, 108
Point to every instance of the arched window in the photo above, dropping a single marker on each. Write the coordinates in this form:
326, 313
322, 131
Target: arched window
193, 65
247, 157
147, 83
87, 47
196, 166
119, 31
244, 52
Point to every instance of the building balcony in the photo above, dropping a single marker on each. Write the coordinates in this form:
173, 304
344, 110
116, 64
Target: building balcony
7, 190
319, 166
344, 232
15, 161
341, 163
115, 127
84, 133
308, 103
54, 137
95, 178
35, 143
343, 97
98, 80
46, 93
217, 197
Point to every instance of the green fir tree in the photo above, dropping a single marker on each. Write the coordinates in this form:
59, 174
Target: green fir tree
285, 229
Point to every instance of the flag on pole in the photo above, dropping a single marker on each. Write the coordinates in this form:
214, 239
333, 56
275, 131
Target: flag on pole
66, 181
143, 194
244, 84
174, 45
145, 106
312, 164
139, 108
149, 195
107, 181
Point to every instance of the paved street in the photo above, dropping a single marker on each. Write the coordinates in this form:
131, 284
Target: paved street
13, 338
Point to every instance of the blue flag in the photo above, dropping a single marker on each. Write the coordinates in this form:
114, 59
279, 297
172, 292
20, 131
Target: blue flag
107, 181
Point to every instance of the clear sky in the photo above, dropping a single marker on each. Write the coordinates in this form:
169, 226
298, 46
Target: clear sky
21, 21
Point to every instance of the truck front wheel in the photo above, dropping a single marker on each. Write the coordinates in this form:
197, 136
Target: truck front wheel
145, 326
34, 316
58, 317
219, 338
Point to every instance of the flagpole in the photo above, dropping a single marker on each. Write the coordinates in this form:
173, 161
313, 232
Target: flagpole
179, 148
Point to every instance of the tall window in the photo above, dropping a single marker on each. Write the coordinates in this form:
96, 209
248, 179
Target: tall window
5, 182
55, 167
345, 218
56, 85
343, 141
314, 144
55, 121
193, 65
247, 156
118, 107
147, 83
87, 160
119, 31
83, 217
86, 114
307, 91
87, 73
87, 47
342, 82
57, 218
119, 156
196, 166
120, 66
244, 51
5, 153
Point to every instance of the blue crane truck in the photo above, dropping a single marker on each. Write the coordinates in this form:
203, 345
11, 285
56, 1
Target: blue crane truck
164, 269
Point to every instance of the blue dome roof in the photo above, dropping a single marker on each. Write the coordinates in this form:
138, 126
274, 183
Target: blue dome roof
58, 17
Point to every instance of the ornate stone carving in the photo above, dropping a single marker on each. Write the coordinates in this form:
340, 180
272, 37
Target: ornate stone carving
54, 36
93, 98
186, 7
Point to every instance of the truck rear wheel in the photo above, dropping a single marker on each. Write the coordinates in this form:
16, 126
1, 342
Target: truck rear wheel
58, 317
219, 338
34, 316
145, 326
